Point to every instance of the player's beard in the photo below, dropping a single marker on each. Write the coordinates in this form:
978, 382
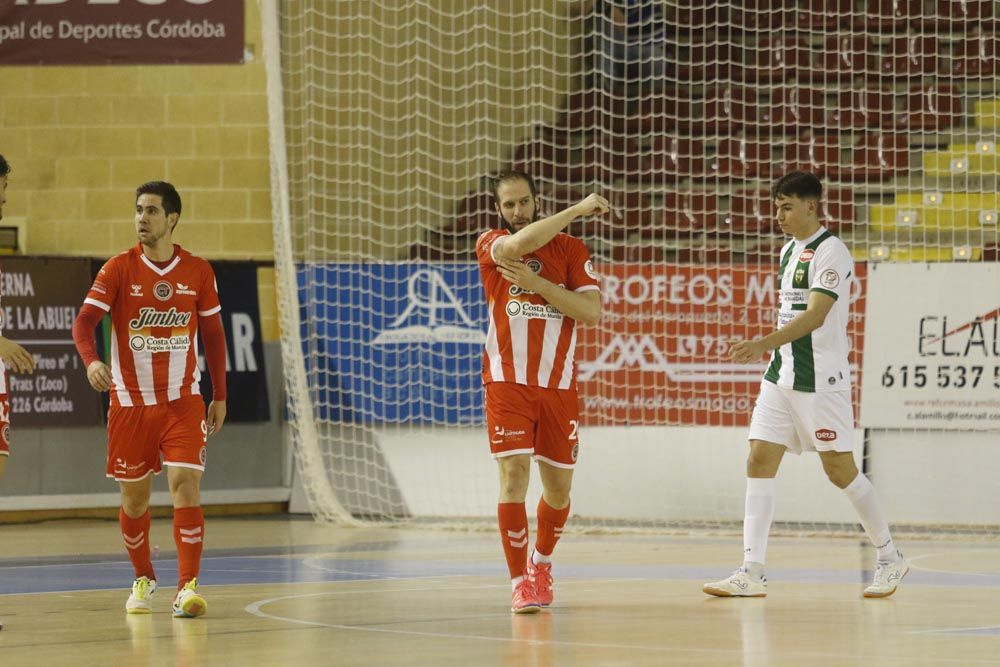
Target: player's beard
151, 241
512, 229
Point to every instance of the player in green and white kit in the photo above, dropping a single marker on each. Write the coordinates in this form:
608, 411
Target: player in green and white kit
805, 397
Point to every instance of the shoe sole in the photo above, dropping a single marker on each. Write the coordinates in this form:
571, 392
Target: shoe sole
885, 595
718, 592
531, 609
193, 608
138, 610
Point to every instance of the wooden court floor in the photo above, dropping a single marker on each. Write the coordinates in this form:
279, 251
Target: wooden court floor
285, 591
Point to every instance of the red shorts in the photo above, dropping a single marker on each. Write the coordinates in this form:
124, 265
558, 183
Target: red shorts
533, 420
138, 435
4, 425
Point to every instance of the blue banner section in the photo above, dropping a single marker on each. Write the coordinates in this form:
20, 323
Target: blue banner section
394, 343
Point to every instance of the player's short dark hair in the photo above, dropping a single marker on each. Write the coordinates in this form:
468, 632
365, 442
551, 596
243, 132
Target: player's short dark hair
801, 184
167, 192
510, 176
4, 166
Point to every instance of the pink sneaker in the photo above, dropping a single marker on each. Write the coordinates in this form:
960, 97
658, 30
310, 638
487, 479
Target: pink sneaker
524, 599
541, 577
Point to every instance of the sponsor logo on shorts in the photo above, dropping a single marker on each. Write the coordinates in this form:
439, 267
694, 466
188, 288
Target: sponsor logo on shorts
203, 455
826, 435
5, 435
575, 452
163, 290
125, 469
501, 435
807, 255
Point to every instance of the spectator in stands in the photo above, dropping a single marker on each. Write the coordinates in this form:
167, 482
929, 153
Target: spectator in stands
630, 44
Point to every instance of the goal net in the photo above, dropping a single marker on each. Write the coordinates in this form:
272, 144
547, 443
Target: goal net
389, 118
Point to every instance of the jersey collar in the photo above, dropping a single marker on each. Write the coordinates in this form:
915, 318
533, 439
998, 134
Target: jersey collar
819, 233
165, 270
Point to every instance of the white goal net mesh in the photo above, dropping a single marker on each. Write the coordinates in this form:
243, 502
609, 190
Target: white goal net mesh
390, 118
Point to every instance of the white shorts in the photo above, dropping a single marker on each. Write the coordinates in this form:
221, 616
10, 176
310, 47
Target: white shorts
803, 421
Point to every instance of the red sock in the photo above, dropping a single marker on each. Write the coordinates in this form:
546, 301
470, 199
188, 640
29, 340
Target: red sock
135, 532
550, 526
513, 520
189, 529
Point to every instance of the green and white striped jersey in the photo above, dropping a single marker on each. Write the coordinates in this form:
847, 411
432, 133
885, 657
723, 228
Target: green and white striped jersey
818, 361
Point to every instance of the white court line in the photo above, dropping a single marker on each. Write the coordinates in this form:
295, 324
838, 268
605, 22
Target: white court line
950, 631
914, 559
255, 609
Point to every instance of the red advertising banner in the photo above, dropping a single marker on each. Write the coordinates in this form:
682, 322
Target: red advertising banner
660, 355
95, 32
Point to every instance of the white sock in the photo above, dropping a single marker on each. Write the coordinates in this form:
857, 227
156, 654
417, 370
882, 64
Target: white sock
515, 581
757, 520
537, 558
873, 518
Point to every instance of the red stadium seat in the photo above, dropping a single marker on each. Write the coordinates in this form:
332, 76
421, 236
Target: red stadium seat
552, 159
964, 14
713, 255
877, 157
709, 59
776, 59
891, 15
631, 252
474, 213
726, 109
824, 13
592, 109
819, 154
659, 113
836, 210
741, 158
631, 212
555, 199
675, 158
844, 57
615, 155
695, 16
991, 252
909, 57
863, 108
931, 108
973, 57
751, 212
686, 213
762, 14
793, 109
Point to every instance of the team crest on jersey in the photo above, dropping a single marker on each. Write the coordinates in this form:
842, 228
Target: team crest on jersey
534, 264
163, 290
830, 278
807, 255
799, 275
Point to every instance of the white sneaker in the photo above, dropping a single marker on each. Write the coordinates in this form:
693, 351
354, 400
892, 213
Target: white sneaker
888, 574
139, 600
739, 584
189, 603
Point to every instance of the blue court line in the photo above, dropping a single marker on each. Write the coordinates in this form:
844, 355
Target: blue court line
321, 567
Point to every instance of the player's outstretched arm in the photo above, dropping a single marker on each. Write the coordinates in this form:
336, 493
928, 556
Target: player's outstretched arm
15, 357
540, 232
810, 319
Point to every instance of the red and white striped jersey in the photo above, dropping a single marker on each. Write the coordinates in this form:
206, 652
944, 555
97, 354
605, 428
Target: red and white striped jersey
3, 367
154, 323
530, 342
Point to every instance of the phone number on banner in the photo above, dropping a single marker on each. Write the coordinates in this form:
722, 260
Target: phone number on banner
943, 376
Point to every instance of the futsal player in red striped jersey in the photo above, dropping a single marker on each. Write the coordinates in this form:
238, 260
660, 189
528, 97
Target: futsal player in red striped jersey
159, 297
539, 283
12, 355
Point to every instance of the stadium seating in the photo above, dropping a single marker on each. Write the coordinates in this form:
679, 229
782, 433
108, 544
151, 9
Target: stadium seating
911, 57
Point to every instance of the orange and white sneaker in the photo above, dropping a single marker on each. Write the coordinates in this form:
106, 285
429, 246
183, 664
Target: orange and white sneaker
189, 603
524, 599
541, 577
